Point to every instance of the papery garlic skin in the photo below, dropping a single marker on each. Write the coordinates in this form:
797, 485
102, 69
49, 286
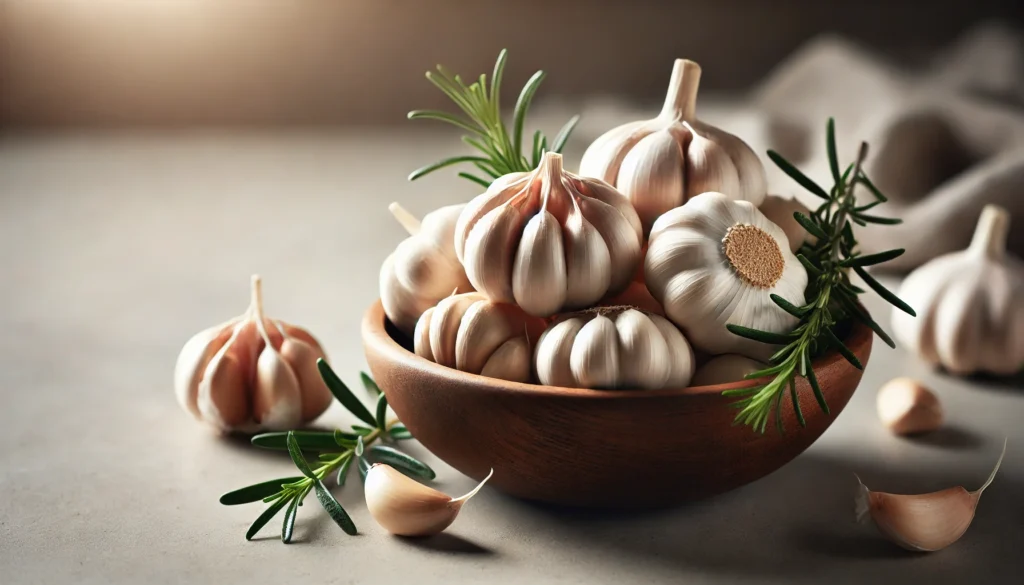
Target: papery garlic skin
405, 507
613, 347
906, 407
725, 369
969, 304
424, 268
252, 373
549, 240
714, 262
779, 210
471, 333
660, 164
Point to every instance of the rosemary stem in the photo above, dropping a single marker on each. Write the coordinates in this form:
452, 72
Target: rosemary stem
848, 200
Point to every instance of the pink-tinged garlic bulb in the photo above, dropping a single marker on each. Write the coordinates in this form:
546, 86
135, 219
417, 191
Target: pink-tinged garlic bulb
423, 269
548, 240
613, 347
471, 333
660, 164
252, 373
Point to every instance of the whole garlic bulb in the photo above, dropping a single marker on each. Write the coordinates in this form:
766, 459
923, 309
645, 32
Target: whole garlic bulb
970, 304
423, 269
662, 163
613, 347
548, 240
473, 334
724, 369
252, 373
715, 261
779, 210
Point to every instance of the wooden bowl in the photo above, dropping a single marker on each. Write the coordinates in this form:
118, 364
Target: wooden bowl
597, 448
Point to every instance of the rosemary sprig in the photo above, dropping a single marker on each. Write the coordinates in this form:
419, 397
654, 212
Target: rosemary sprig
501, 151
831, 298
337, 451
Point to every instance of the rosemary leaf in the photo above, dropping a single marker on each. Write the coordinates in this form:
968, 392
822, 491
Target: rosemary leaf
443, 117
371, 387
288, 526
842, 349
788, 306
863, 316
830, 145
873, 259
334, 509
761, 336
884, 292
475, 179
876, 219
364, 467
308, 440
812, 270
343, 470
804, 181
343, 394
343, 439
265, 517
862, 178
296, 454
522, 105
382, 411
255, 492
400, 433
401, 461
812, 379
810, 226
563, 135
796, 403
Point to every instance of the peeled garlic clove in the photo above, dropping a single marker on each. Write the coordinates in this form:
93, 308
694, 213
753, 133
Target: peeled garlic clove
780, 211
511, 361
533, 246
405, 507
906, 407
925, 522
724, 369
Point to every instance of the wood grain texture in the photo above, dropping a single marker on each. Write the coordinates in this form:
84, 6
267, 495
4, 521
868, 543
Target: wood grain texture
596, 448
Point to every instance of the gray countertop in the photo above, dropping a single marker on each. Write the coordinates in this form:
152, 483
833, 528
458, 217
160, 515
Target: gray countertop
114, 249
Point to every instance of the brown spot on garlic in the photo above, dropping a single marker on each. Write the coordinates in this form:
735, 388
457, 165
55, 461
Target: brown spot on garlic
925, 522
754, 254
549, 240
406, 507
906, 407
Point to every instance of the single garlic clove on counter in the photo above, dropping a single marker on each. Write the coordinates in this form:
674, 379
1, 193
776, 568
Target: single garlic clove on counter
924, 522
660, 164
405, 507
424, 268
906, 407
724, 369
252, 373
613, 347
549, 240
716, 261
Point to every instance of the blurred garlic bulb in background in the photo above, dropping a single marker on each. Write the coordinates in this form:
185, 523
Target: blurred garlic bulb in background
660, 164
714, 262
970, 305
779, 210
471, 333
423, 269
548, 240
252, 373
613, 347
725, 369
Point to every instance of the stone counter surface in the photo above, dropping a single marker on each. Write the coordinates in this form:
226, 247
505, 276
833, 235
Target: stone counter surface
116, 248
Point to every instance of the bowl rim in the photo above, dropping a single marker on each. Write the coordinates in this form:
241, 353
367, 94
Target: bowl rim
375, 334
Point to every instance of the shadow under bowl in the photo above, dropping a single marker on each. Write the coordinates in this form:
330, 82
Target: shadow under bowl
597, 448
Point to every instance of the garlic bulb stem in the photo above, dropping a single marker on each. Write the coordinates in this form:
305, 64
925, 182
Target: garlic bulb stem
681, 100
989, 238
257, 308
552, 174
408, 221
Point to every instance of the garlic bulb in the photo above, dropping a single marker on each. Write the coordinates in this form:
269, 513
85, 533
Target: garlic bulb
725, 369
613, 347
925, 522
779, 210
662, 163
970, 304
423, 269
715, 261
906, 407
548, 240
405, 507
252, 373
473, 334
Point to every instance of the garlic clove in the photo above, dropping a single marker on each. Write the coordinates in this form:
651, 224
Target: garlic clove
651, 175
709, 167
405, 507
421, 337
539, 276
402, 305
481, 331
195, 356
594, 359
587, 261
906, 407
222, 398
444, 326
724, 369
644, 358
622, 241
553, 352
276, 398
511, 361
681, 359
495, 236
753, 181
301, 357
498, 193
605, 193
924, 522
604, 157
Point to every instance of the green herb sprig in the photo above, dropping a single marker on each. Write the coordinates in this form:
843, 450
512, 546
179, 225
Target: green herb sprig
337, 451
502, 151
830, 297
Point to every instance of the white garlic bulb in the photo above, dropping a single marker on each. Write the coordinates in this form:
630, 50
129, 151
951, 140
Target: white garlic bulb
423, 269
724, 369
471, 333
613, 347
549, 240
779, 210
970, 304
714, 262
662, 163
405, 507
252, 373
